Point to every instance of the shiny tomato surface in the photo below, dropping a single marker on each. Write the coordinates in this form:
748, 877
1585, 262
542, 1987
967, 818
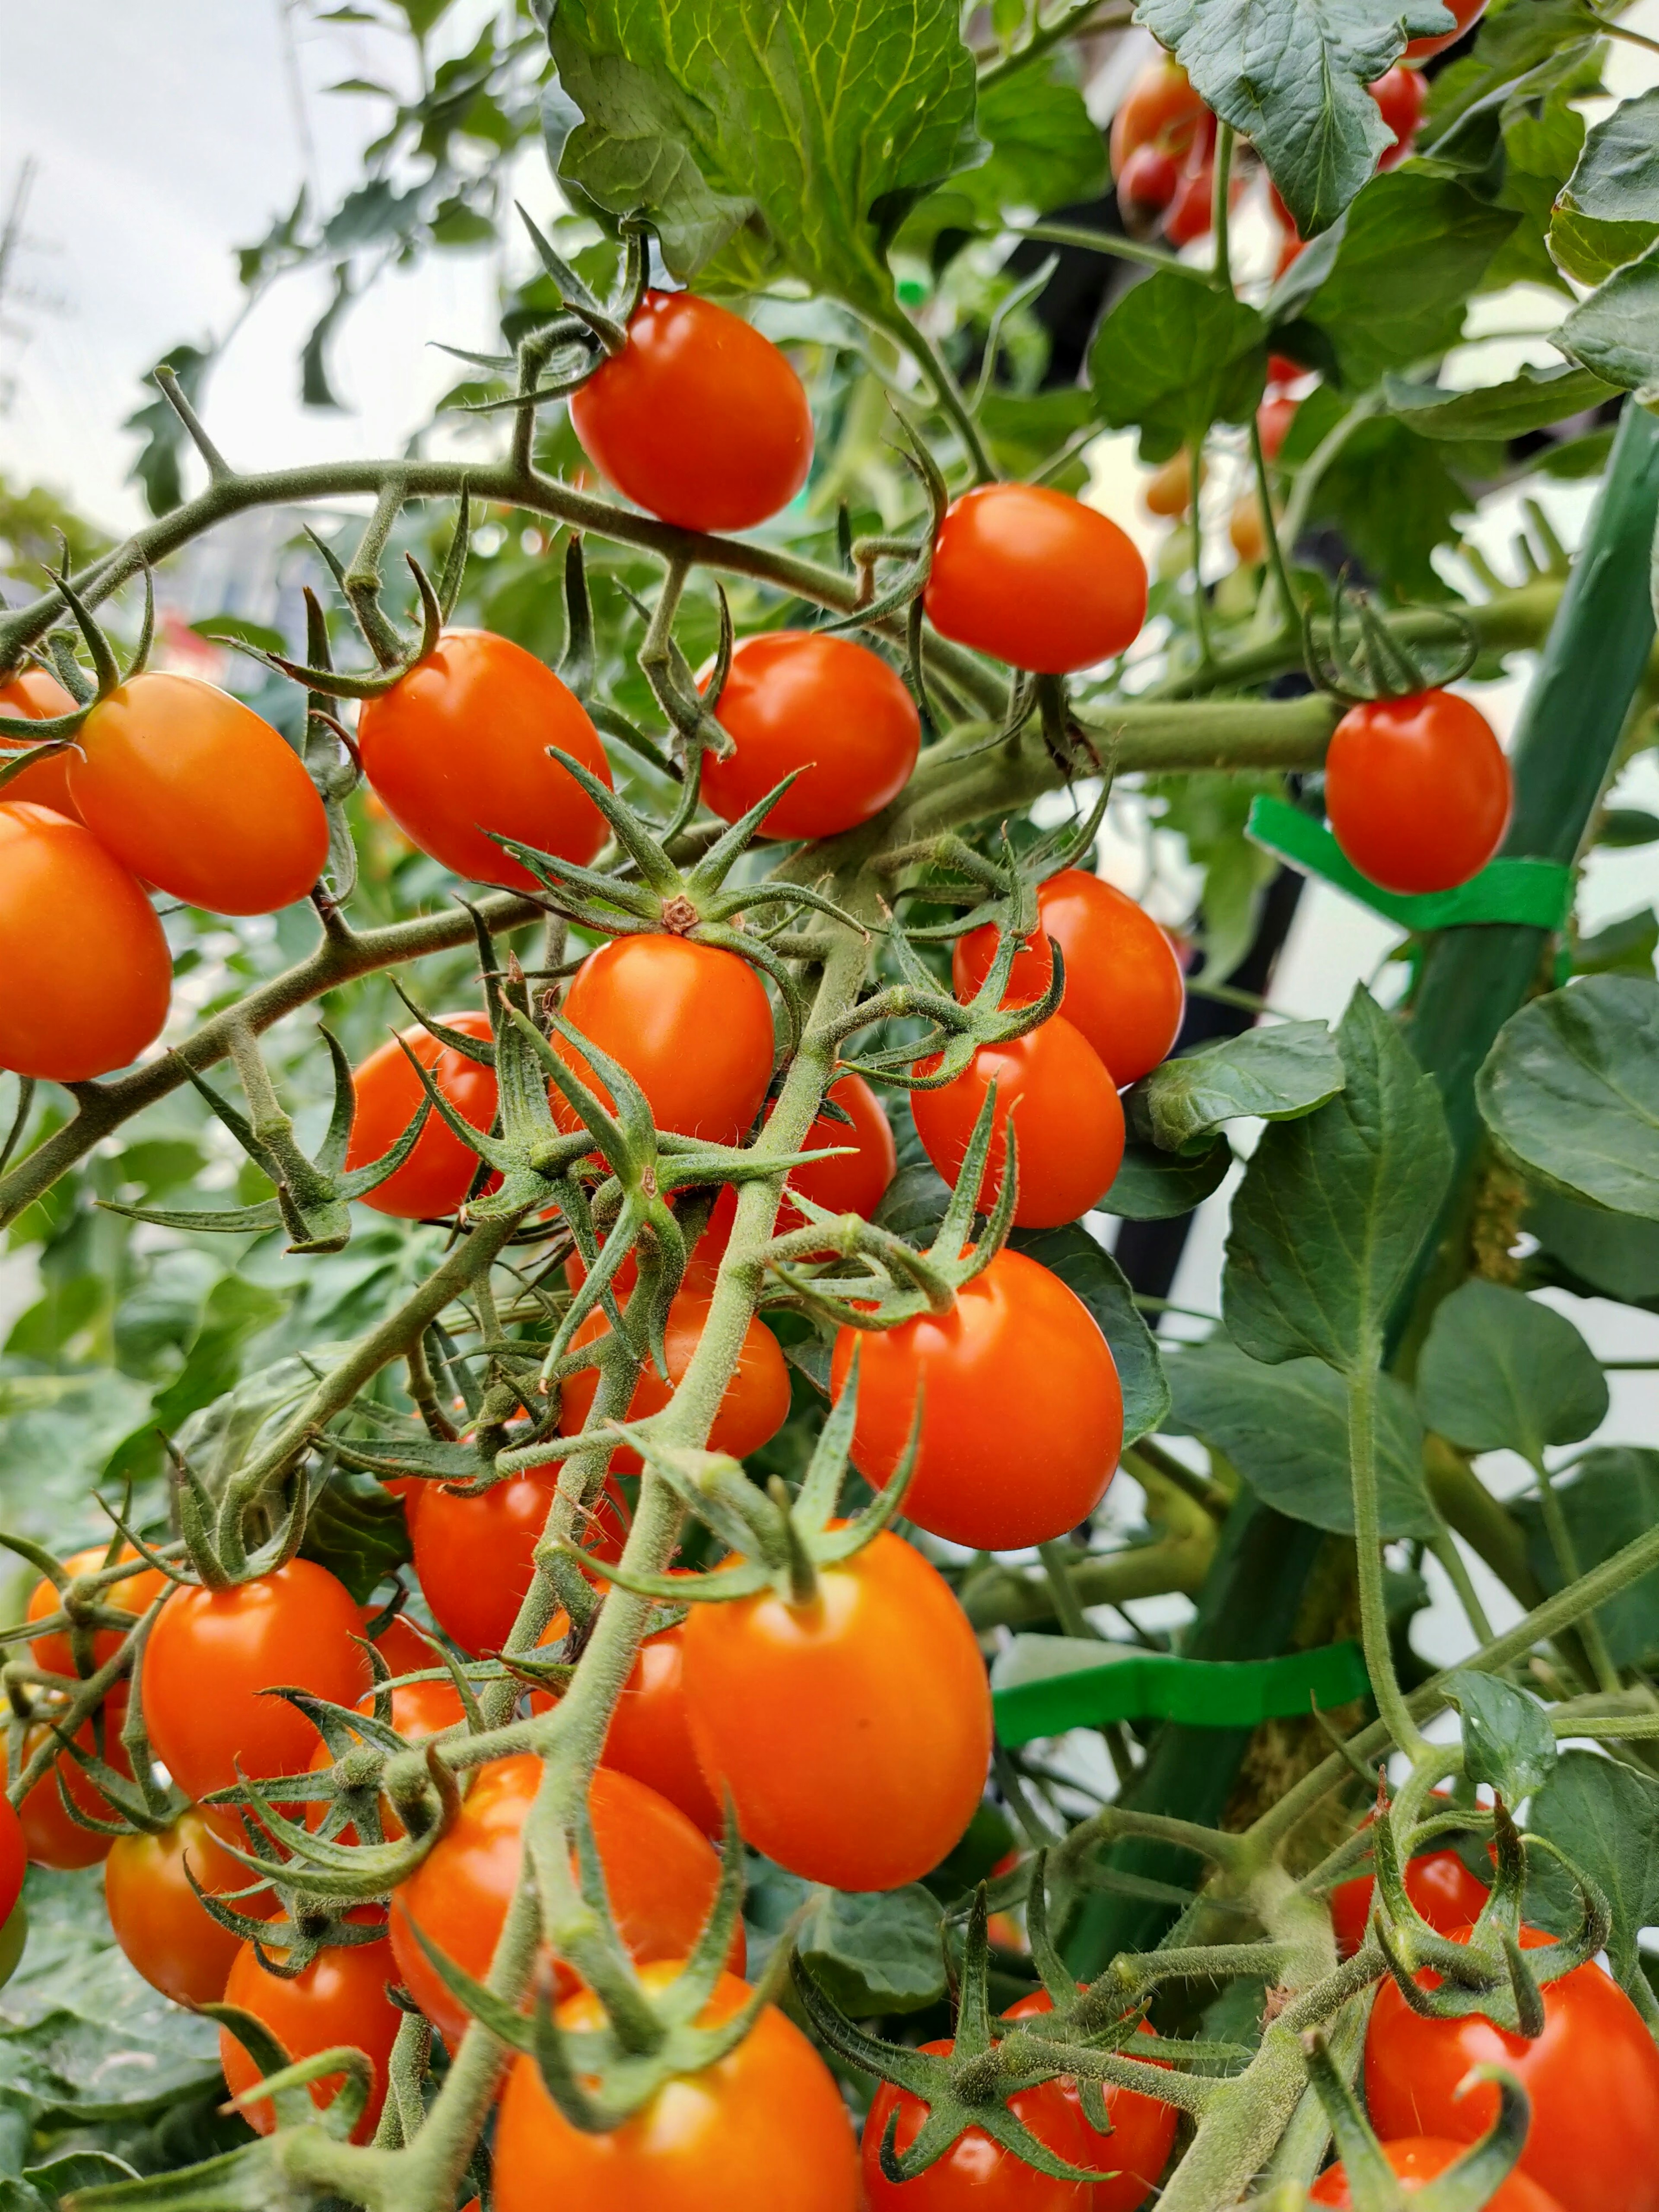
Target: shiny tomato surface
56, 1652
976, 2174
1438, 1884
476, 1556
753, 1407
14, 1858
35, 695
162, 1926
1418, 791
856, 1183
53, 1838
437, 1174
1463, 12
650, 1733
339, 1999
1036, 578
1399, 97
1160, 109
1418, 2159
1133, 2157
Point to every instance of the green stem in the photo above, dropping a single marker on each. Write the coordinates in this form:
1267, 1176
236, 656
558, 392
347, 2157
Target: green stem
1368, 1544
1566, 1558
1067, 1611
1108, 242
1084, 15
1444, 1548
1220, 210
946, 390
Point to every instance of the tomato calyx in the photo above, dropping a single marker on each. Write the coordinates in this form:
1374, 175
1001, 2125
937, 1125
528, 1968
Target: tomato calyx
286, 2083
55, 733
1379, 664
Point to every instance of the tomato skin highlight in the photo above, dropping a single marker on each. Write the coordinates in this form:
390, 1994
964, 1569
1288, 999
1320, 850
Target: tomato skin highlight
974, 1483
1132, 2158
55, 1652
1068, 1123
1035, 578
650, 1733
212, 1653
799, 699
690, 1023
475, 1557
976, 2174
86, 995
852, 1733
1417, 2158
339, 1998
699, 419
1593, 2077
458, 747
34, 695
437, 1174
764, 2127
1399, 97
856, 1183
1464, 12
1438, 1884
198, 795
753, 1407
160, 1924
1418, 791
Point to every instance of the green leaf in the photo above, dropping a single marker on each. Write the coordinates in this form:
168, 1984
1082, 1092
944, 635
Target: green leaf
165, 439
1531, 400
1500, 1372
1623, 827
1625, 947
356, 1529
1174, 355
1154, 1186
1616, 1253
1276, 1073
807, 126
1615, 332
1086, 1268
1024, 428
1521, 50
1508, 1742
1291, 75
1285, 1429
1570, 1091
1604, 1816
1395, 497
1542, 140
1045, 154
1609, 211
1333, 1207
1610, 1498
877, 1951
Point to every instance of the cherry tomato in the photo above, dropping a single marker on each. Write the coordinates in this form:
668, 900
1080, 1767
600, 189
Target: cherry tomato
55, 1652
1168, 492
14, 1858
1133, 2156
763, 2127
459, 747
53, 1839
1147, 184
476, 1556
340, 1998
856, 1183
85, 996
1123, 983
753, 1407
1281, 369
1035, 578
690, 1023
197, 794
1593, 2077
1418, 791
799, 699
699, 419
437, 1174
1399, 97
1273, 419
660, 1874
976, 2174
1066, 1118
1192, 211
1438, 1884
418, 1709
650, 1736
161, 1924
212, 1654
1160, 109
34, 695
1417, 2159
1247, 531
980, 1480
1464, 12
853, 1732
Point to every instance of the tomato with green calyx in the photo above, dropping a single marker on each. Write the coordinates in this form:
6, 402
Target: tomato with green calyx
166, 1931
800, 700
980, 1478
339, 1999
418, 1709
1418, 791
457, 748
198, 795
1418, 2159
690, 1023
475, 1556
53, 1837
1068, 1121
753, 1407
1035, 578
1399, 97
1437, 1882
34, 695
437, 1174
213, 1654
853, 1731
763, 2127
699, 419
87, 973
55, 1651
1133, 2157
1593, 2077
1160, 109
661, 1877
976, 2174
1463, 12
853, 1184
650, 1733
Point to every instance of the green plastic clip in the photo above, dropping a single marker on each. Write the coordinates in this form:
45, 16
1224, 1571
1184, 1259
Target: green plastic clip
1044, 1685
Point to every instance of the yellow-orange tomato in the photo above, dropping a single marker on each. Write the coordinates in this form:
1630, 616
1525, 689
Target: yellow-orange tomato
162, 1924
1036, 578
135, 1595
36, 696
438, 1173
339, 1999
1247, 531
650, 1736
753, 1407
53, 1839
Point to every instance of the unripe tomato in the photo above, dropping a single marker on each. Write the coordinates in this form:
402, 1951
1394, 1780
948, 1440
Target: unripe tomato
1035, 578
1133, 2157
1464, 12
661, 1877
1248, 531
1399, 97
212, 1654
1417, 2158
14, 1858
459, 747
765, 2125
37, 697
753, 1407
1001, 1463
1124, 982
690, 1023
340, 1998
650, 1736
1068, 1121
475, 1556
1273, 419
161, 1924
1593, 2077
854, 1184
976, 2174
85, 973
878, 1785
53, 1839
1168, 491
437, 1174
1438, 1884
198, 795
799, 699
699, 419
55, 1652
1147, 184
1160, 109
1418, 791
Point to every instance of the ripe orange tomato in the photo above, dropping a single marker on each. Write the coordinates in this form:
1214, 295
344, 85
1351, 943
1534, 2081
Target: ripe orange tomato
1418, 791
1438, 1884
661, 1877
976, 2171
86, 995
14, 1858
1124, 982
690, 1023
854, 1184
799, 699
1593, 2077
852, 1733
1417, 2158
1035, 578
1066, 1117
753, 1407
161, 1924
340, 1998
418, 1709
212, 1654
52, 1837
763, 2126
476, 1556
1147, 184
1247, 531
1160, 109
36, 696
458, 747
136, 1594
198, 795
976, 1481
1273, 419
1133, 2156
699, 419
650, 1736
1464, 12
437, 1174
1399, 97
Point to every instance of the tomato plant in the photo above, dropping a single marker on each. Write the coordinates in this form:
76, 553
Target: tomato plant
135, 1594
753, 1405
1417, 2158
650, 1733
1036, 578
338, 1998
1134, 2154
437, 1174
1068, 1125
160, 1922
1418, 791
976, 2171
35, 696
